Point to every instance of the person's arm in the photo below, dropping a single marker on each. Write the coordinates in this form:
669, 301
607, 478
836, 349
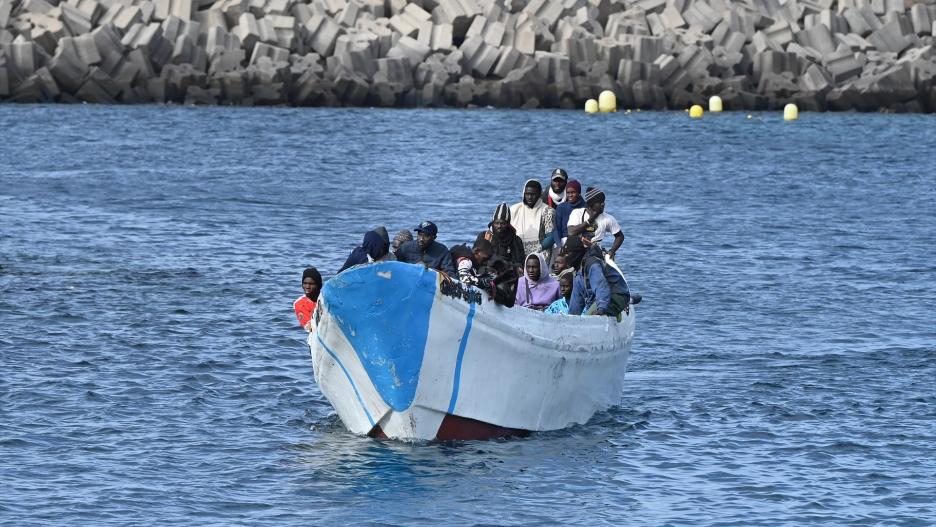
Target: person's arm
618, 240
577, 302
466, 272
580, 227
446, 264
600, 287
520, 298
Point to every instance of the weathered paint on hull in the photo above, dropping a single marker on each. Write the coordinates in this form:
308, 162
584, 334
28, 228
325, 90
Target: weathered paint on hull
401, 351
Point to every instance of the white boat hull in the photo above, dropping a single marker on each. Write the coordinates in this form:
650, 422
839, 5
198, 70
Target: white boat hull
401, 352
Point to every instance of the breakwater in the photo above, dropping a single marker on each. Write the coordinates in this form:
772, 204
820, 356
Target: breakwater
758, 54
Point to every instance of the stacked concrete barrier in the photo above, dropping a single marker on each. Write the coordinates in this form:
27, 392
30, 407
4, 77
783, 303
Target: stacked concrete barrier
866, 55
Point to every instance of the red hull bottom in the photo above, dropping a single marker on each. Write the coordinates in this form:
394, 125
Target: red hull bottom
454, 427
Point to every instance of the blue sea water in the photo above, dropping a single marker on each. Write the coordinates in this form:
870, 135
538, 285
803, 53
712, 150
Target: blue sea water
152, 372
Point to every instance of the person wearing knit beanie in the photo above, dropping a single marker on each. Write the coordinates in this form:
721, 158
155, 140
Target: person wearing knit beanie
593, 223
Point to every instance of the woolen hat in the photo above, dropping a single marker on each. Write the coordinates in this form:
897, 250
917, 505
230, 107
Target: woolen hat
574, 185
594, 195
559, 174
502, 212
427, 227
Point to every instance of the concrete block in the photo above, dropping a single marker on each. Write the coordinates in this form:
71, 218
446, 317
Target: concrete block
436, 36
409, 48
322, 32
78, 22
275, 54
921, 19
6, 8
701, 15
815, 80
672, 18
212, 18
479, 56
506, 62
36, 6
818, 37
548, 10
248, 31
890, 37
843, 64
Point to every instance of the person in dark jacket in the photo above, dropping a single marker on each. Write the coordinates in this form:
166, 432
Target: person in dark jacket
597, 288
573, 192
373, 249
554, 195
507, 246
424, 249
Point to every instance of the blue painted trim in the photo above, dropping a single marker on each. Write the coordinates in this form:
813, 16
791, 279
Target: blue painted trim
348, 375
461, 355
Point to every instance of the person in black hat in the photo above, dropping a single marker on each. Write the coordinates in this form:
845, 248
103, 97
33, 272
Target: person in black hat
555, 193
424, 249
508, 247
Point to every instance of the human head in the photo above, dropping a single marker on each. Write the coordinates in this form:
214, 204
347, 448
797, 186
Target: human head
384, 235
565, 285
595, 199
501, 219
558, 180
532, 191
401, 237
426, 234
533, 268
573, 191
559, 264
374, 244
311, 283
482, 251
574, 251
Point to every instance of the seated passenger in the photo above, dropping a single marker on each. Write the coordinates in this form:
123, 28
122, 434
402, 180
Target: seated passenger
560, 263
598, 289
401, 237
536, 289
424, 249
508, 247
469, 262
305, 304
561, 306
574, 251
372, 249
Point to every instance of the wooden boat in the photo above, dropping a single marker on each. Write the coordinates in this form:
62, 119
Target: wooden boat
403, 352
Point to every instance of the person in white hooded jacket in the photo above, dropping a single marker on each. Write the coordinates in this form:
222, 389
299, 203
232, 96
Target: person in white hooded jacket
533, 220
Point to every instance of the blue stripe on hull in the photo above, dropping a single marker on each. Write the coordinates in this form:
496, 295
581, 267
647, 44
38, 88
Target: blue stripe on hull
350, 380
461, 354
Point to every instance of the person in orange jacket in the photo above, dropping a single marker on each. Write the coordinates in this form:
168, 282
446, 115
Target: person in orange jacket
305, 304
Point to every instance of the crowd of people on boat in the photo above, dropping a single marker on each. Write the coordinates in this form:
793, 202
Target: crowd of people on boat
544, 252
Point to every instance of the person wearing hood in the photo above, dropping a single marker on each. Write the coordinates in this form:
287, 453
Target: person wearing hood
506, 245
536, 289
533, 219
555, 194
594, 223
425, 249
304, 306
373, 249
573, 201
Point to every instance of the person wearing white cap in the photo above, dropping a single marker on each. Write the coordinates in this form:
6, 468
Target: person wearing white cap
555, 193
593, 223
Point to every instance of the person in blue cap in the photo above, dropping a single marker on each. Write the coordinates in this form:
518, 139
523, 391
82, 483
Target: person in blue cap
424, 249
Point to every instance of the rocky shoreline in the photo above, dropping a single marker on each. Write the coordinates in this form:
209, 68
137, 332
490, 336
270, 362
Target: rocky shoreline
865, 55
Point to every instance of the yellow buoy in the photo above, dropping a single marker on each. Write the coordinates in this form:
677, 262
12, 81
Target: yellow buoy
714, 104
790, 112
607, 101
591, 106
749, 116
696, 111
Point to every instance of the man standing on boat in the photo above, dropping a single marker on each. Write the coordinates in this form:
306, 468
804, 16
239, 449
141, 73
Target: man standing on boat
573, 201
424, 249
533, 220
555, 194
594, 223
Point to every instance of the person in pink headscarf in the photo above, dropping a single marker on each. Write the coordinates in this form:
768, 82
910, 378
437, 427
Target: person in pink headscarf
536, 289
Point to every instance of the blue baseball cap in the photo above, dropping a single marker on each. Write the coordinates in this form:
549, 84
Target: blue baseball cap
427, 227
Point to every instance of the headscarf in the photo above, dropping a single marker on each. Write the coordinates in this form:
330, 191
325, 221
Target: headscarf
594, 195
528, 220
541, 292
372, 248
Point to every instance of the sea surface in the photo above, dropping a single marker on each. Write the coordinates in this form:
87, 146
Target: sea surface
152, 371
